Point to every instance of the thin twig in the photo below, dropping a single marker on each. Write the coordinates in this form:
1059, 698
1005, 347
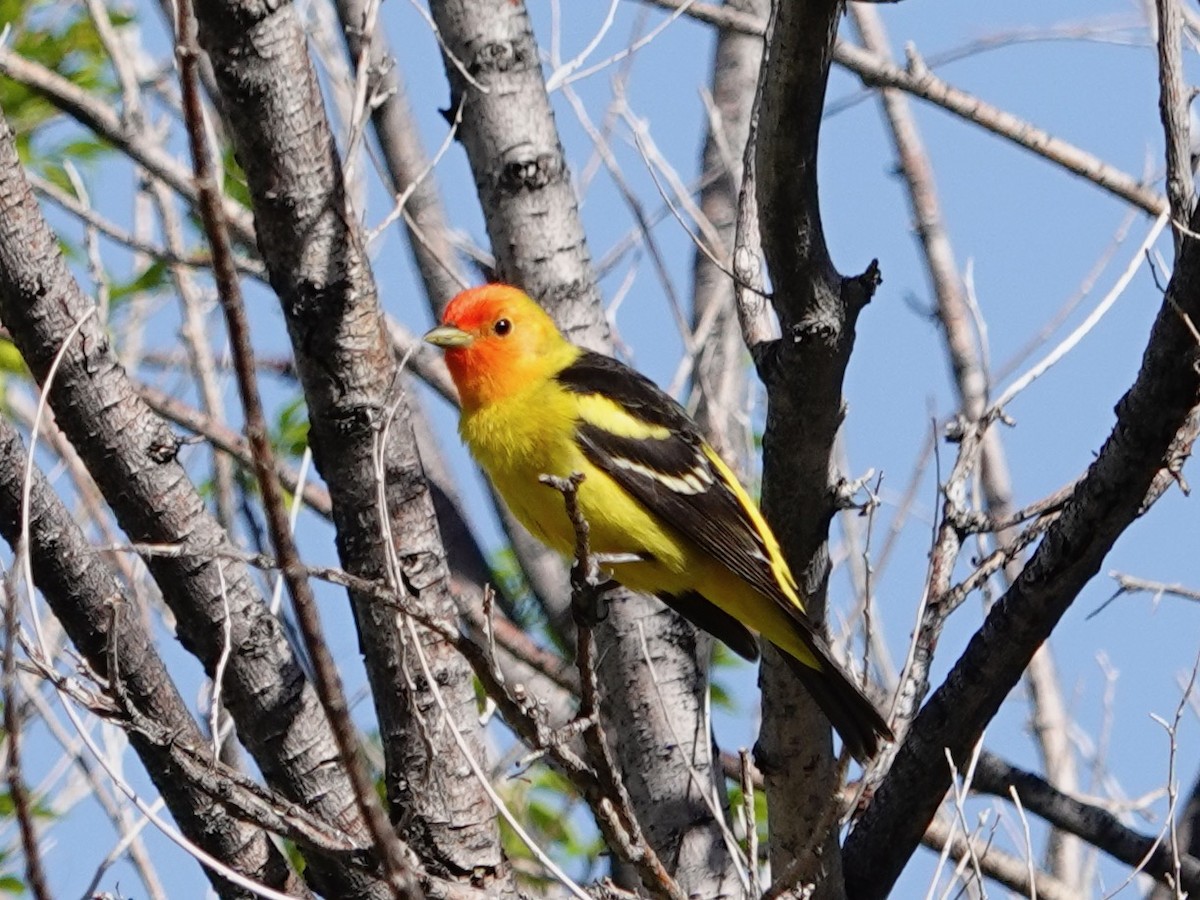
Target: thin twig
1129, 584
587, 590
745, 770
920, 82
35, 874
1069, 342
1016, 799
95, 114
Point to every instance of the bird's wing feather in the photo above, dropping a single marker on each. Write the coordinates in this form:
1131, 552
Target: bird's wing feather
646, 443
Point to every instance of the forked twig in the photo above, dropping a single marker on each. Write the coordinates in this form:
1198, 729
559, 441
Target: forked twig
587, 604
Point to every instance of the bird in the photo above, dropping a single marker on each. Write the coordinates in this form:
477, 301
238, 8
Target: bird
658, 499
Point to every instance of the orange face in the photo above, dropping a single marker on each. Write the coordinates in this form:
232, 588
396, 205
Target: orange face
497, 341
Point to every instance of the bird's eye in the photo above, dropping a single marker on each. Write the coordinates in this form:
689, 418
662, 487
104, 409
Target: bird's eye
502, 327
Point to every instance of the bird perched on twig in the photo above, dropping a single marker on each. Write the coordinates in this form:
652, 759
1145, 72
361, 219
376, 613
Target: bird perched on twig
655, 495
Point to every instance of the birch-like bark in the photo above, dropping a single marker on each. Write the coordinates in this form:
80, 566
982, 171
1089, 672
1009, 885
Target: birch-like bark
361, 435
651, 667
131, 454
442, 275
721, 375
404, 157
520, 171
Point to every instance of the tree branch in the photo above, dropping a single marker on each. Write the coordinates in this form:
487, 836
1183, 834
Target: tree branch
1173, 102
532, 217
1154, 432
520, 171
803, 373
360, 431
88, 599
1097, 826
971, 381
920, 82
325, 674
131, 454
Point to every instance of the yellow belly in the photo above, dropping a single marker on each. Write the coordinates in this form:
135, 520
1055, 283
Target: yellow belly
517, 441
514, 449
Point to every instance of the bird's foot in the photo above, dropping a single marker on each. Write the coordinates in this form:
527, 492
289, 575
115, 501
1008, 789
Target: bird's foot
589, 605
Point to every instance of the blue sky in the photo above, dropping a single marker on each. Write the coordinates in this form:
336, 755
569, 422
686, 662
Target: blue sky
1029, 233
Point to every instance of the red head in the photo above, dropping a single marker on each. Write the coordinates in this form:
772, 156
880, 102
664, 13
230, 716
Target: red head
497, 342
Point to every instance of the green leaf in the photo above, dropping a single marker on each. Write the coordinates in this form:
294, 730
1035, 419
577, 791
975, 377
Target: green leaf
548, 807
235, 185
11, 360
724, 662
62, 38
152, 279
291, 428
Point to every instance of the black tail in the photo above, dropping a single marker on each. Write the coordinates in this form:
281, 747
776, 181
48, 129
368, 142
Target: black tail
848, 709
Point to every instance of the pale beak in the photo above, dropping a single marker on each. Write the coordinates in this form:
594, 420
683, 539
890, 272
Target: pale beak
448, 337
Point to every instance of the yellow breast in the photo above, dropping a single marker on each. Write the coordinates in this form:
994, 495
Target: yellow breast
517, 440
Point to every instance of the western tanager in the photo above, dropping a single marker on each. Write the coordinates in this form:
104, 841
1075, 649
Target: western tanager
533, 403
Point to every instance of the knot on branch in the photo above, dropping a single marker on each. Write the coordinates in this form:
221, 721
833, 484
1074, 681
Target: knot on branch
845, 493
819, 328
420, 570
529, 173
858, 291
500, 56
164, 446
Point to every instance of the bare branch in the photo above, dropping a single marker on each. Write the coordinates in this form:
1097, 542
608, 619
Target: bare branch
93, 113
1129, 584
1154, 432
87, 598
405, 158
35, 873
818, 309
920, 82
524, 185
1173, 102
1096, 825
131, 454
381, 502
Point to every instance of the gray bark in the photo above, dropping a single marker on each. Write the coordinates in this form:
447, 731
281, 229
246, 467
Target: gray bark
1155, 428
93, 606
405, 159
130, 453
1064, 853
803, 372
520, 172
318, 267
721, 374
651, 667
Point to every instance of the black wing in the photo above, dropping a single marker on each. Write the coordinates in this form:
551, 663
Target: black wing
666, 465
675, 475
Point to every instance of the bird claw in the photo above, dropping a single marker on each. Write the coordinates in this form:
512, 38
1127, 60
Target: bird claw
588, 604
